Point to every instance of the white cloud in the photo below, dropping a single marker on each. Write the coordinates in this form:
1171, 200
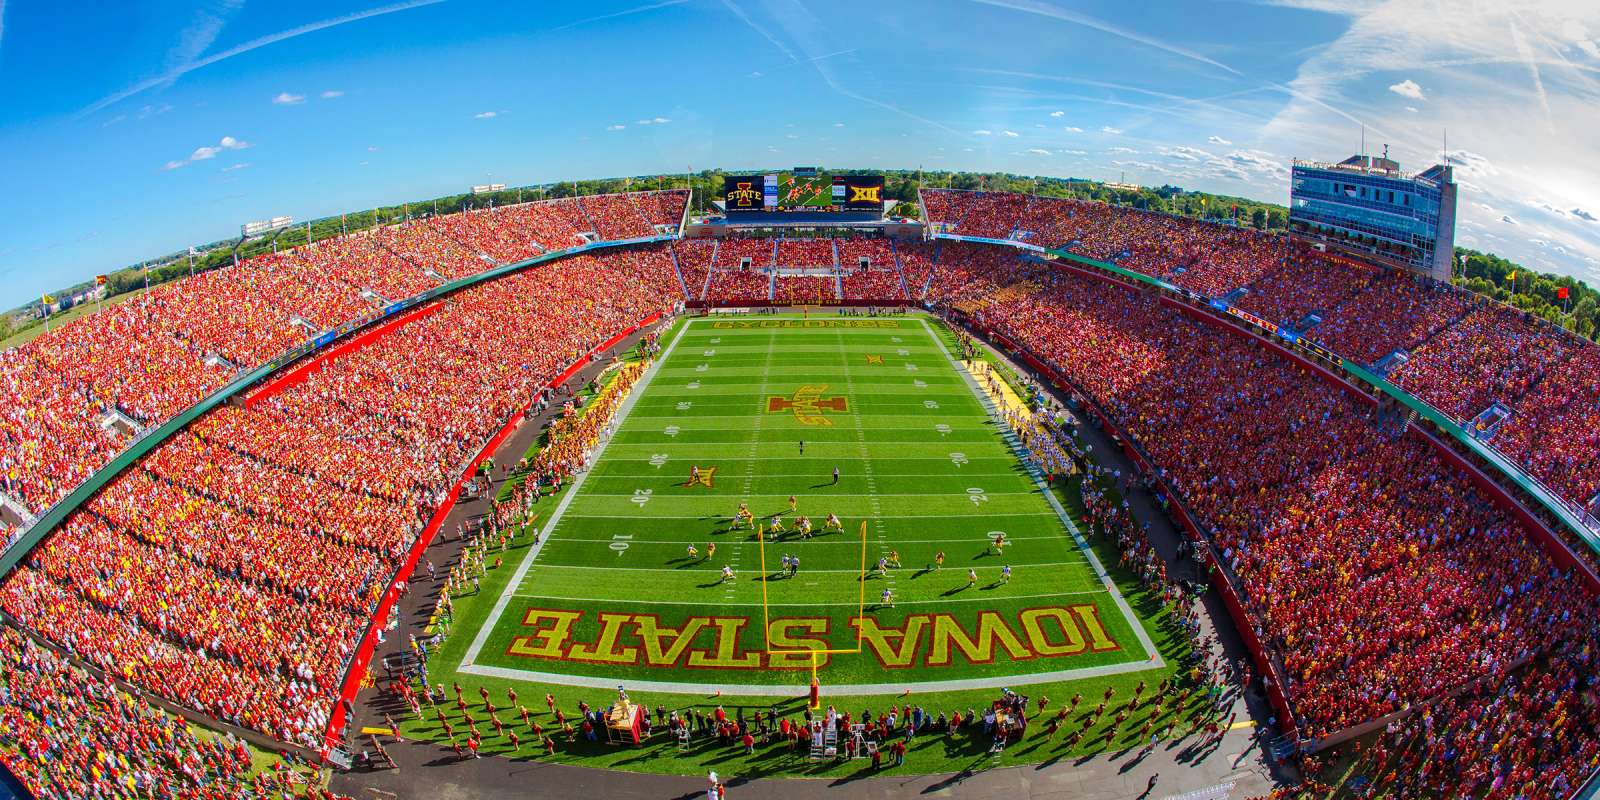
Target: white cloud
1052, 12
1513, 82
982, 132
173, 74
287, 99
617, 127
1412, 109
243, 165
1408, 88
203, 153
757, 74
1121, 150
1012, 134
1071, 129
1214, 139
1039, 151
1110, 130
230, 143
372, 148
1584, 215
175, 164
207, 152
486, 115
331, 94
838, 124
653, 121
1058, 114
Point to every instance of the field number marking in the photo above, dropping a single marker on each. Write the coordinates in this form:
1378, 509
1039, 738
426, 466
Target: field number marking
702, 368
919, 383
658, 460
685, 405
958, 458
672, 430
694, 384
620, 542
930, 404
942, 428
641, 496
977, 496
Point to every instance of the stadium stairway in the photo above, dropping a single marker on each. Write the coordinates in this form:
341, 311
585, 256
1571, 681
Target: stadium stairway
899, 271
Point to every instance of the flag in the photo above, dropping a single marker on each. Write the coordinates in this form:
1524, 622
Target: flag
1561, 292
99, 280
1512, 275
46, 299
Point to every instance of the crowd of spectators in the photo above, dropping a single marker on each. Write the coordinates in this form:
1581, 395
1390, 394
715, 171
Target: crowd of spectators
1307, 282
732, 252
694, 261
1378, 574
806, 253
1555, 430
734, 285
71, 734
807, 288
662, 207
916, 264
150, 356
234, 570
615, 217
1494, 354
1394, 312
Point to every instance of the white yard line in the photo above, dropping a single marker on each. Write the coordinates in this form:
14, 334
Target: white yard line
797, 690
1156, 661
716, 604
572, 492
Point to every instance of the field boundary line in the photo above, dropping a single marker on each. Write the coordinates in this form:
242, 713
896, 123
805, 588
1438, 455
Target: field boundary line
1156, 660
988, 683
561, 507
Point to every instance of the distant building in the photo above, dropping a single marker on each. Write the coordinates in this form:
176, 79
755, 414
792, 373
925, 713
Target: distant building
1365, 207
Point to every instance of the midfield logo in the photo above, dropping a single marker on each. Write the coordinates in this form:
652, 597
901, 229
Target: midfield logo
808, 405
875, 360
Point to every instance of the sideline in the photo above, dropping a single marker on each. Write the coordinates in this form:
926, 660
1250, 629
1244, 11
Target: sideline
1156, 660
468, 664
467, 661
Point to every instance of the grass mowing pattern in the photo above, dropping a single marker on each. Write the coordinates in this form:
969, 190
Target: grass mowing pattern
613, 595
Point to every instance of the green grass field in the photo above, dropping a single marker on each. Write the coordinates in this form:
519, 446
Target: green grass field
611, 597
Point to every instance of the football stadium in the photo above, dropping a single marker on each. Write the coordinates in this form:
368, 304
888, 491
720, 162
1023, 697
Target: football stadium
793, 481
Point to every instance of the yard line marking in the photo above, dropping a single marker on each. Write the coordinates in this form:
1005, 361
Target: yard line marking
1157, 661
561, 507
674, 570
898, 602
923, 517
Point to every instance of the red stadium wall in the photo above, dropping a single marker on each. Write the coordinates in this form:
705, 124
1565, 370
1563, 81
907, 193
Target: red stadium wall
357, 670
311, 367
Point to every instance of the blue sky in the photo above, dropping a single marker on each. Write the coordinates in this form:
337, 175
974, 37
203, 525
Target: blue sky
132, 130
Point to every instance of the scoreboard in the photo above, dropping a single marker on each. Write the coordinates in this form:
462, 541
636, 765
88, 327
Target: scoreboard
799, 191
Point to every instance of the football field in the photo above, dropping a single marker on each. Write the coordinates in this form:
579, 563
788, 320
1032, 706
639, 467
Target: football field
754, 410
